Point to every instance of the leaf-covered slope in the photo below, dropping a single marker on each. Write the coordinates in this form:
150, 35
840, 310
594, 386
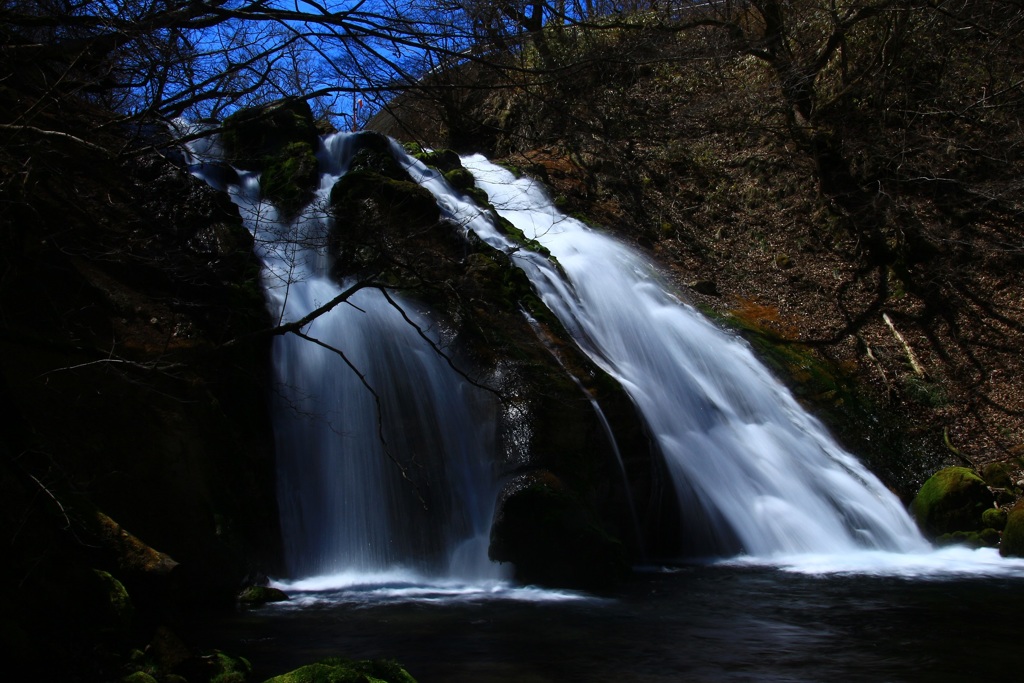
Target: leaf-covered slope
866, 240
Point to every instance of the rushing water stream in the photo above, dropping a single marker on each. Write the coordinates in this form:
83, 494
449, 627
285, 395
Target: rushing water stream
830, 580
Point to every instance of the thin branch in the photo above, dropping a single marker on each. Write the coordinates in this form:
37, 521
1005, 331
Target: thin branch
57, 134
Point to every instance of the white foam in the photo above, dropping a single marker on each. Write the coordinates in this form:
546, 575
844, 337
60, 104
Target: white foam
942, 563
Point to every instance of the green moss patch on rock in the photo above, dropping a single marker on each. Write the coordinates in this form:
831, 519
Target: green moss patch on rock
986, 538
953, 499
337, 670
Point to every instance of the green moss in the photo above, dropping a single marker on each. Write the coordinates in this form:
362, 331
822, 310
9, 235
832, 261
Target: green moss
138, 677
347, 671
994, 518
924, 392
117, 603
460, 179
509, 230
953, 499
986, 538
290, 177
227, 669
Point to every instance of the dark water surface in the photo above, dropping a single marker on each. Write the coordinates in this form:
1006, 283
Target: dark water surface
693, 624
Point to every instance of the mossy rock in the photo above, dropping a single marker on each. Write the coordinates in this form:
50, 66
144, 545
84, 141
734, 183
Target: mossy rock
994, 518
400, 202
1012, 544
251, 136
373, 152
291, 178
379, 221
998, 475
986, 538
953, 499
261, 595
460, 179
117, 608
444, 160
279, 140
226, 665
553, 537
347, 671
138, 677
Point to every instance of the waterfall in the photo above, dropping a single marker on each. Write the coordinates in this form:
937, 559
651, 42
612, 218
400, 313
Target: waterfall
755, 473
385, 455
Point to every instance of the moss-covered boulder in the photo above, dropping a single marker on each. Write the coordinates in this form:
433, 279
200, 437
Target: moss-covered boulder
552, 536
280, 141
994, 518
1012, 544
116, 610
347, 671
952, 499
378, 218
215, 666
986, 538
261, 595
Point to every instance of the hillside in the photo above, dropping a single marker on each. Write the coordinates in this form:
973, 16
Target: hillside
876, 272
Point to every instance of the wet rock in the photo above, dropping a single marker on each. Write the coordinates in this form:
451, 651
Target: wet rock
952, 499
261, 595
280, 141
552, 537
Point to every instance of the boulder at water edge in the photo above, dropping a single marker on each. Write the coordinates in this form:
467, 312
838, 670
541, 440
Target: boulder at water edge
953, 499
1012, 544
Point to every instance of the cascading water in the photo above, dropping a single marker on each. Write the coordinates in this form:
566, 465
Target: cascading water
756, 474
381, 474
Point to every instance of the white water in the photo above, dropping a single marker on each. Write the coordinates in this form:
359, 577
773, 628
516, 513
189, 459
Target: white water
393, 474
756, 473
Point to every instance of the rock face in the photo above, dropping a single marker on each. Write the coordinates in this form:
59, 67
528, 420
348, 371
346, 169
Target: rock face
136, 441
952, 500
